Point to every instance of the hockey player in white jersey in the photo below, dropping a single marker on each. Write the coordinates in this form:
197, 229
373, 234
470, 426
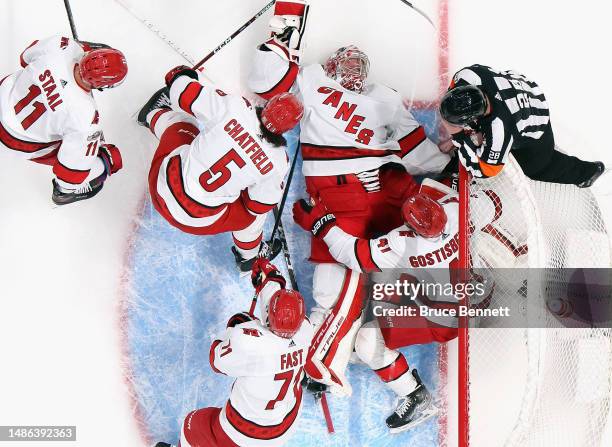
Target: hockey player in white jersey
428, 239
221, 163
48, 113
266, 356
360, 146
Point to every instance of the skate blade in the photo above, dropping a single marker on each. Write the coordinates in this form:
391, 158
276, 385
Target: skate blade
424, 417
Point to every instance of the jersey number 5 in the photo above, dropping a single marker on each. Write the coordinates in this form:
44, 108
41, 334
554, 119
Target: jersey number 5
286, 377
39, 108
220, 171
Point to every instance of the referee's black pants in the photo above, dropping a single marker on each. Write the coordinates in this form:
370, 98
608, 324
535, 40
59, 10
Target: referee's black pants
541, 161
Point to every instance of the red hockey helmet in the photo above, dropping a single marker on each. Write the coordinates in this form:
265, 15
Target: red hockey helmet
286, 313
349, 66
282, 113
103, 68
424, 215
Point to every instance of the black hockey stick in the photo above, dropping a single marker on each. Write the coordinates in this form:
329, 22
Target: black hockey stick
75, 36
419, 11
264, 251
230, 38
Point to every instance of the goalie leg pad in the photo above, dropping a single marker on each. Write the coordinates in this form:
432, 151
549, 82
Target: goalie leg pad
334, 340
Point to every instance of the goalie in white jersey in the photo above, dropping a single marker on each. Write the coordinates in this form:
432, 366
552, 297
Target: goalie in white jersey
360, 147
428, 240
221, 163
267, 359
48, 113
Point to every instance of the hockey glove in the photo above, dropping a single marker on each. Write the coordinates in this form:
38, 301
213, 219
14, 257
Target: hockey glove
264, 271
111, 157
316, 219
239, 318
177, 72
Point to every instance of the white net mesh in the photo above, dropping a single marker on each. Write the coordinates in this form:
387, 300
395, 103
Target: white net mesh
536, 387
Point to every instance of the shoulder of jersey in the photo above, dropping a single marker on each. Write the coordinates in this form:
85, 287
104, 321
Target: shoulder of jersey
251, 334
383, 93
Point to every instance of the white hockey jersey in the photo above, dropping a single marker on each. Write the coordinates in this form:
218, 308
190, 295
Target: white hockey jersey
43, 109
344, 132
227, 159
266, 396
402, 247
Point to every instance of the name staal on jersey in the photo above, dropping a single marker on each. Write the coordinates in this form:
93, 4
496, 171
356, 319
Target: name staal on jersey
43, 110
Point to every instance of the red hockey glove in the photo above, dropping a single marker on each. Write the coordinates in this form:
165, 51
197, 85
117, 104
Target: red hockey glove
264, 271
239, 318
111, 157
177, 72
316, 219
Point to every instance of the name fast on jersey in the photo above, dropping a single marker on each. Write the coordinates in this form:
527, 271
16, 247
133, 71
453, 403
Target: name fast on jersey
247, 142
292, 359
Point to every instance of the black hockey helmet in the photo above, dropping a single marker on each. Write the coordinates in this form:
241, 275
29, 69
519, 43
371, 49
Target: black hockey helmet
463, 105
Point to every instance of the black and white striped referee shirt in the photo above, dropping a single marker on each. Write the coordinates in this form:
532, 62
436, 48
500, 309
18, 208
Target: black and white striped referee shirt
519, 113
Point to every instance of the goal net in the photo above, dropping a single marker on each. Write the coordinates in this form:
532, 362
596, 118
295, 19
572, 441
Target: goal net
534, 382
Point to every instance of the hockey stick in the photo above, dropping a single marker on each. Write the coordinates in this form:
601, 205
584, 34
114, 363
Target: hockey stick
278, 226
264, 251
230, 38
155, 30
75, 36
419, 11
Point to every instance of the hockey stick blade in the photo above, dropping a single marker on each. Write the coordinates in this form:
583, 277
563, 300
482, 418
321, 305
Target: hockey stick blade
419, 11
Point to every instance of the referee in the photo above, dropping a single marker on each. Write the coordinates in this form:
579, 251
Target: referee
490, 113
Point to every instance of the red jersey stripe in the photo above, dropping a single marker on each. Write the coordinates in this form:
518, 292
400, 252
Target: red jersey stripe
363, 253
412, 140
248, 245
253, 205
189, 96
68, 175
22, 146
314, 152
211, 356
284, 85
22, 61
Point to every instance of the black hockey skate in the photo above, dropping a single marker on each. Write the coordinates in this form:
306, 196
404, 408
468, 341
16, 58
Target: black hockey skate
163, 444
62, 196
313, 387
600, 169
159, 100
413, 409
246, 265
